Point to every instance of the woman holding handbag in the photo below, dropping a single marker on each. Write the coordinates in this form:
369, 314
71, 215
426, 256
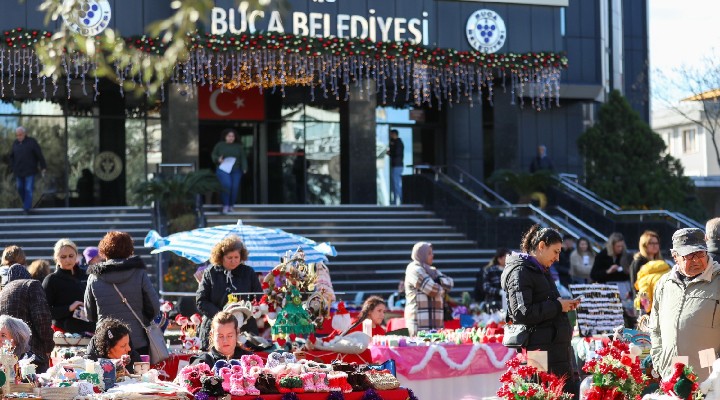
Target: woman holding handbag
534, 301
120, 288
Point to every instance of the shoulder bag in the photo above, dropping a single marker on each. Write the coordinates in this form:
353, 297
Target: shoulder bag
156, 340
515, 336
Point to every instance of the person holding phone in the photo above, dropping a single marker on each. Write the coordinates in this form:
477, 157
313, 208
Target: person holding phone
534, 300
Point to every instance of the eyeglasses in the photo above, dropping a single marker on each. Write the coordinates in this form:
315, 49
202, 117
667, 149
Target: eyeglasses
698, 255
653, 243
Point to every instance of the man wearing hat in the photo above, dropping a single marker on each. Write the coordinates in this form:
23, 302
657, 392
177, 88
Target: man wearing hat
685, 315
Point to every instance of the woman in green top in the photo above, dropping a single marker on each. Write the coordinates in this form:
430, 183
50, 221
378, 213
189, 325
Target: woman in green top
230, 181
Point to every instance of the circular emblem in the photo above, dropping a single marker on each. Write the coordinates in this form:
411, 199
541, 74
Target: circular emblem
485, 31
88, 17
108, 166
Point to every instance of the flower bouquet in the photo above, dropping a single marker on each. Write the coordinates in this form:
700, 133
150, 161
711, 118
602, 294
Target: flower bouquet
682, 383
616, 374
527, 382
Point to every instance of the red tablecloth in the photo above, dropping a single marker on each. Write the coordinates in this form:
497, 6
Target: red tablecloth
399, 323
169, 368
397, 394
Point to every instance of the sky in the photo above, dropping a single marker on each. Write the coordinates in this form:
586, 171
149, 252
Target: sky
680, 33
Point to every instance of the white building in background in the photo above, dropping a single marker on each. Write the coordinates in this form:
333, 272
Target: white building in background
692, 144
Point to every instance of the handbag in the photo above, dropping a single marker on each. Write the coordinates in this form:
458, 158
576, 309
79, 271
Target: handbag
382, 380
156, 339
516, 336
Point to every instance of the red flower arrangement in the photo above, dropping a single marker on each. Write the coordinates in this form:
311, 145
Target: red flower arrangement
682, 383
527, 382
616, 374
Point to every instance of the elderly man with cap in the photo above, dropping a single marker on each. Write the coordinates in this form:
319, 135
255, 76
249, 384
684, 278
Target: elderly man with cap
23, 297
685, 315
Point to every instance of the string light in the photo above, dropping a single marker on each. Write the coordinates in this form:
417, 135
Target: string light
264, 60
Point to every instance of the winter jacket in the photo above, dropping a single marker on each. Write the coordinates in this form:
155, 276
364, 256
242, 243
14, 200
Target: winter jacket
213, 356
424, 298
578, 268
25, 299
685, 319
131, 278
533, 300
637, 262
25, 157
492, 286
713, 247
603, 262
62, 288
395, 152
213, 290
647, 278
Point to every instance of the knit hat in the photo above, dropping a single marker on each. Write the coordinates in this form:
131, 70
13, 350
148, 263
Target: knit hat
90, 253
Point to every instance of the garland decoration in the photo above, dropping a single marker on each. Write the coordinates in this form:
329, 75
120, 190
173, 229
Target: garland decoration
396, 71
442, 351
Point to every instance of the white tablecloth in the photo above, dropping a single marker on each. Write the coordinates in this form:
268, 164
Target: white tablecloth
470, 387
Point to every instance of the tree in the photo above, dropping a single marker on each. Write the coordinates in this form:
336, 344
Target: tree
625, 162
700, 85
154, 70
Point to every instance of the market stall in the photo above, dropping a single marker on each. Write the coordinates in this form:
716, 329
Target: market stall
448, 371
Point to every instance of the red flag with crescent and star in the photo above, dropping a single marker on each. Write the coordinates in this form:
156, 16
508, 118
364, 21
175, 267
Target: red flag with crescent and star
235, 104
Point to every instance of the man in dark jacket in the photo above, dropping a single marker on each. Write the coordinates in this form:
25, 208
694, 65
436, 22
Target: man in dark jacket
25, 157
396, 151
712, 238
24, 298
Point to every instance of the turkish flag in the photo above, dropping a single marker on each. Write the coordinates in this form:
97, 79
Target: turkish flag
220, 103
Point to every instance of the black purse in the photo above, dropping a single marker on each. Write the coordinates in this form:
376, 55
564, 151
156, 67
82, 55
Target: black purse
516, 336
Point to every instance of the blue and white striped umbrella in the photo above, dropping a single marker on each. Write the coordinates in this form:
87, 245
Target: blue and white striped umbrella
266, 246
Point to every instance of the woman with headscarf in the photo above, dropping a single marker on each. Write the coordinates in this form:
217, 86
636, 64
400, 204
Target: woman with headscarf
425, 289
227, 275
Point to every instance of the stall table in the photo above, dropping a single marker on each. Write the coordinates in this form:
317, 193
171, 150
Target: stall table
397, 394
448, 372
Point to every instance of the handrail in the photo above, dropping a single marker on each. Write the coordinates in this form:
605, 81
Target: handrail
462, 188
582, 223
486, 188
567, 181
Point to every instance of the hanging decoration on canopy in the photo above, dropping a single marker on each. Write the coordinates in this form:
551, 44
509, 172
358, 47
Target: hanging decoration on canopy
397, 71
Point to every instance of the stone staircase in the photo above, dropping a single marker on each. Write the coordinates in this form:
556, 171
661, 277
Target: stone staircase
373, 242
37, 233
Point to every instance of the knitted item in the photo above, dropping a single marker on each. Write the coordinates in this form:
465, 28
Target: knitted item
321, 382
225, 373
250, 389
293, 318
337, 381
308, 379
251, 360
237, 386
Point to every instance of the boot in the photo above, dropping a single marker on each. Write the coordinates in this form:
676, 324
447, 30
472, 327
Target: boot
308, 379
250, 389
237, 387
321, 382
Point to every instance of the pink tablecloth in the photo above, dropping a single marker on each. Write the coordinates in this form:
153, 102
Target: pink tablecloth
445, 361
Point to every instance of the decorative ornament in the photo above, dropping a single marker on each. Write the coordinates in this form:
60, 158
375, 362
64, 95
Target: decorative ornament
293, 319
401, 72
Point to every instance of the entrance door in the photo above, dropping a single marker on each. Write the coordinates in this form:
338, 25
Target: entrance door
247, 135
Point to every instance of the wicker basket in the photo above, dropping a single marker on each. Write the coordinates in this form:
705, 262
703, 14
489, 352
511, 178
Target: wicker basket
57, 393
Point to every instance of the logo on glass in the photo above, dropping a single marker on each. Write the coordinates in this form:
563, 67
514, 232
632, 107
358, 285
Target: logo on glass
485, 31
88, 17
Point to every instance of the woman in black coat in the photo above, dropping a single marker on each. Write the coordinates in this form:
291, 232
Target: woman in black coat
65, 289
227, 275
534, 300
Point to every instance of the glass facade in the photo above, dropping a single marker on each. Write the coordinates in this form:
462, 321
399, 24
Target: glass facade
70, 141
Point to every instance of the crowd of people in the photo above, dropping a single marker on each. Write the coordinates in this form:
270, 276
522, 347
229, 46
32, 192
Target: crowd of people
105, 293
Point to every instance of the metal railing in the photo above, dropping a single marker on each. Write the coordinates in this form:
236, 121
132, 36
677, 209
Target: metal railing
569, 182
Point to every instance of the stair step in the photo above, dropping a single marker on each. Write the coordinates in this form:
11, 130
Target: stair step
348, 222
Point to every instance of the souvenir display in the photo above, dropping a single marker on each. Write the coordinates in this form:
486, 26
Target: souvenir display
600, 310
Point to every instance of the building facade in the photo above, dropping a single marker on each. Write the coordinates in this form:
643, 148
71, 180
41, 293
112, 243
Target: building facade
318, 146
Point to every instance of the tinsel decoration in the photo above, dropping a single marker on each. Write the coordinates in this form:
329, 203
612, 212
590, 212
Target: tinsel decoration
336, 395
202, 396
411, 395
421, 74
371, 394
289, 396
